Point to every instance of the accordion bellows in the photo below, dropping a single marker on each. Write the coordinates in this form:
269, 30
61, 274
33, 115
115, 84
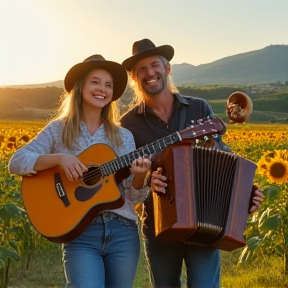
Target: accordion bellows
207, 197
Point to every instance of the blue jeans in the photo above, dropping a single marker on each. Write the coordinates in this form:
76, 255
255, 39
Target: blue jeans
165, 264
104, 255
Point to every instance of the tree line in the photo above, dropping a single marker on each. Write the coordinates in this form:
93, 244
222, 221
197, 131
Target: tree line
38, 103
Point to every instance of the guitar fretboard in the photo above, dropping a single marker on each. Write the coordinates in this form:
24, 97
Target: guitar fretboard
112, 166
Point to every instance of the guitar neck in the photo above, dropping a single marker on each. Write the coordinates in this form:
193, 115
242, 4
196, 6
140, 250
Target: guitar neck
123, 161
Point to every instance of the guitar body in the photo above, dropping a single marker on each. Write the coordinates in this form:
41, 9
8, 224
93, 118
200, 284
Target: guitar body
60, 209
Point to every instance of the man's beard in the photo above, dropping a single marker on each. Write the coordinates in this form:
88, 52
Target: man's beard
152, 91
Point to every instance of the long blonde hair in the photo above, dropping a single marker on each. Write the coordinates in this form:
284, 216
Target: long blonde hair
138, 90
70, 113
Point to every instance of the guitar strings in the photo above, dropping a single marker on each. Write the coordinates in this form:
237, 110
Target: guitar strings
90, 174
93, 173
97, 172
139, 152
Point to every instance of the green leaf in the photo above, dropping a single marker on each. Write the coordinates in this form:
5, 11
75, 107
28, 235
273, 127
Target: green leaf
1, 263
272, 223
264, 216
253, 243
9, 211
273, 192
279, 249
285, 234
8, 253
2, 193
14, 244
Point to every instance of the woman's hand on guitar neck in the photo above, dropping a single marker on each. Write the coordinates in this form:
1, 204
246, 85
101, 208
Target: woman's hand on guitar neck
157, 181
139, 168
72, 166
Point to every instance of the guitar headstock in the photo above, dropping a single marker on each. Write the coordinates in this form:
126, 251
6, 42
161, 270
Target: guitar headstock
203, 127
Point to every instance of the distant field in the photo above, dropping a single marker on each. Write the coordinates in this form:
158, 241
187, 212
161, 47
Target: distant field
257, 116
270, 104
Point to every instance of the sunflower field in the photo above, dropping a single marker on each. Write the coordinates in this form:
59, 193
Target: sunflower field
267, 229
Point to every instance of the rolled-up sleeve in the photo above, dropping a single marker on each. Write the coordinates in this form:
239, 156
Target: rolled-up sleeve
23, 160
132, 194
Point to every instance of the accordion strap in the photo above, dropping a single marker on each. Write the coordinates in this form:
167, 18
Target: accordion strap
182, 120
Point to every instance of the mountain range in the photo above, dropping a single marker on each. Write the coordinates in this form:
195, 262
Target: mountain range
266, 65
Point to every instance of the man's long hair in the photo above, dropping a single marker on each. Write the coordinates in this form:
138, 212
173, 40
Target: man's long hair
70, 113
138, 90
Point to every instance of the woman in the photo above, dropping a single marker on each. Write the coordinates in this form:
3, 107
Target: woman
107, 252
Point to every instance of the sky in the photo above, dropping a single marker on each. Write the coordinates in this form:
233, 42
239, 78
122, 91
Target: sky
40, 40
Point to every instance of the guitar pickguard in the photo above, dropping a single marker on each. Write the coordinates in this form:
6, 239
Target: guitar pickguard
83, 194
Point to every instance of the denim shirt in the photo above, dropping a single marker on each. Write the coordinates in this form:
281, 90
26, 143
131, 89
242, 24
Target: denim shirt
49, 141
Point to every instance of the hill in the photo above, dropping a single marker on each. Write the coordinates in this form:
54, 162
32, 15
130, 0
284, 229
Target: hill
270, 104
58, 84
266, 65
28, 103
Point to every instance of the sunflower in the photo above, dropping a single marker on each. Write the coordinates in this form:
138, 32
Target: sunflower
277, 171
25, 138
12, 139
274, 165
283, 154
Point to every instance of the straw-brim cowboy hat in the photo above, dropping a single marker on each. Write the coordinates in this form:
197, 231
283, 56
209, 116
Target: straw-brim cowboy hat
145, 48
116, 70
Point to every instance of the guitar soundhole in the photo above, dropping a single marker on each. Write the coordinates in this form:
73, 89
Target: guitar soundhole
92, 176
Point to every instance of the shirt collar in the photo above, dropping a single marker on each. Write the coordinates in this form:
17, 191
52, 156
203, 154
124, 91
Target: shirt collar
179, 100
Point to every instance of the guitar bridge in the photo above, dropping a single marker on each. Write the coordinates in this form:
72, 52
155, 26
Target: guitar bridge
61, 190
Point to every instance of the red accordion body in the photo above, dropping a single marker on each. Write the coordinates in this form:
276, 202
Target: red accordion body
207, 197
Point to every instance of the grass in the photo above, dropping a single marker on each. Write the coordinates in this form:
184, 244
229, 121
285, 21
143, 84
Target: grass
259, 273
46, 271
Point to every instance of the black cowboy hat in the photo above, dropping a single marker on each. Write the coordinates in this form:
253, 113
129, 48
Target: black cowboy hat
116, 70
145, 48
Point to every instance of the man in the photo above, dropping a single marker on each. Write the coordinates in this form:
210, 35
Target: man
158, 112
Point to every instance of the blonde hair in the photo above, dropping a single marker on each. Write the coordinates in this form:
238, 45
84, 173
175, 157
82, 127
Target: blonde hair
140, 93
70, 113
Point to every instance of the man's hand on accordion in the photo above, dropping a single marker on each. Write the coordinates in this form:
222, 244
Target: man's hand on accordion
257, 198
159, 186
157, 181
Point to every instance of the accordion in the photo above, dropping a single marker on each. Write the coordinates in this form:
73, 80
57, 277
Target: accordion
207, 197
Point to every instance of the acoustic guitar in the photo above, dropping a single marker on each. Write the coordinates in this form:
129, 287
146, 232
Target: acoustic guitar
60, 209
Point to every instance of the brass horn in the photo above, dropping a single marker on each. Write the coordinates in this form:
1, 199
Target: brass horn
239, 107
